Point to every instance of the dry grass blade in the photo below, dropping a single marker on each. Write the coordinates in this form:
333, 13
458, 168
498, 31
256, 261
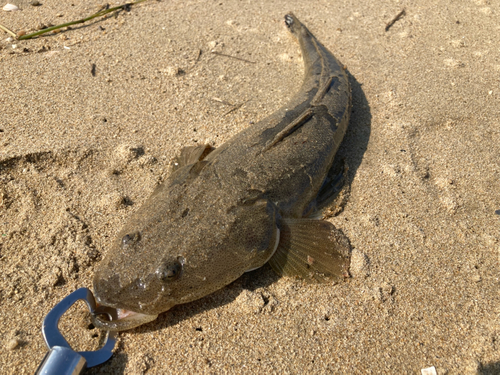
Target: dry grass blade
8, 31
95, 15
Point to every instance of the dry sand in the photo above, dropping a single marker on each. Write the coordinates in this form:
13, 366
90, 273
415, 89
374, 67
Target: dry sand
80, 151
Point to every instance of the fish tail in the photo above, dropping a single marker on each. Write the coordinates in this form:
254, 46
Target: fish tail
312, 51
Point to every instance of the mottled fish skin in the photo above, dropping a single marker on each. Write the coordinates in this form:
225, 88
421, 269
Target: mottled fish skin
220, 213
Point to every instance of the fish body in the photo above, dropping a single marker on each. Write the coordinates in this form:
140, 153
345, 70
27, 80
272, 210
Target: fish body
227, 211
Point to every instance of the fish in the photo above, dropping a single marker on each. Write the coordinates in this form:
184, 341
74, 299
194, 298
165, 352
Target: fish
222, 212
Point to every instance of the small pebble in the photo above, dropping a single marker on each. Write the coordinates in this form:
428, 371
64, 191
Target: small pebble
127, 152
35, 3
52, 278
476, 277
173, 71
140, 363
215, 46
453, 63
145, 161
458, 43
12, 344
429, 371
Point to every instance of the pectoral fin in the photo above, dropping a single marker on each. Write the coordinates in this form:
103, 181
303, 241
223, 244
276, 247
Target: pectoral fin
312, 249
190, 155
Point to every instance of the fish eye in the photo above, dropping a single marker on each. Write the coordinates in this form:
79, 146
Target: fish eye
169, 271
129, 239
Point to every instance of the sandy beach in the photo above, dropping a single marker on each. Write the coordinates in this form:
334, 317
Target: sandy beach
93, 116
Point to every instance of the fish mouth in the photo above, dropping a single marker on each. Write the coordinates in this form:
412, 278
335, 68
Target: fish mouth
111, 319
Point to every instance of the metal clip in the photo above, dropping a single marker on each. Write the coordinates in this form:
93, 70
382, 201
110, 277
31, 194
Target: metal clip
61, 359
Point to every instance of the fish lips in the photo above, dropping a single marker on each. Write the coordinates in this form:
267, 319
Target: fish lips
125, 319
141, 296
130, 312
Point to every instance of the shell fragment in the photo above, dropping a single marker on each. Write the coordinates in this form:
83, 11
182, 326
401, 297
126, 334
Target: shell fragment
10, 8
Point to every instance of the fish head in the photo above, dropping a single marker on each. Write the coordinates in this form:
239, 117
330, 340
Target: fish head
181, 245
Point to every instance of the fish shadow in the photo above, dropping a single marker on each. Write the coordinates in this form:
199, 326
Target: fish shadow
349, 155
116, 365
356, 139
334, 194
252, 281
492, 368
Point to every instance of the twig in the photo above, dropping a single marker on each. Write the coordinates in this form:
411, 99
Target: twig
8, 31
198, 55
222, 101
197, 58
236, 107
233, 57
95, 15
393, 21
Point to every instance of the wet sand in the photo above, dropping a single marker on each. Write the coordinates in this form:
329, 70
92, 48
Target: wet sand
92, 117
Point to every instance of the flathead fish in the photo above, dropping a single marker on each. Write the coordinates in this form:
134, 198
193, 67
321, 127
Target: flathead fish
225, 211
